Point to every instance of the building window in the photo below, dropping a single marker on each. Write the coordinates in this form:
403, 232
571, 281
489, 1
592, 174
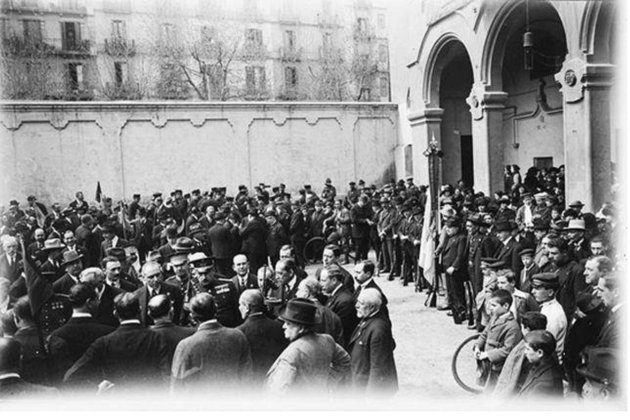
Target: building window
381, 21
75, 76
384, 87
119, 74
289, 40
382, 53
364, 94
253, 36
543, 162
118, 29
71, 35
290, 77
362, 25
33, 30
255, 79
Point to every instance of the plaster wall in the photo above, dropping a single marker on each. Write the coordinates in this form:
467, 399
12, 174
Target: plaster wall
53, 149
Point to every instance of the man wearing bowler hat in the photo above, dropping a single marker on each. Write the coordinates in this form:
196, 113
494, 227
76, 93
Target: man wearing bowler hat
455, 266
544, 289
508, 253
600, 369
313, 364
73, 264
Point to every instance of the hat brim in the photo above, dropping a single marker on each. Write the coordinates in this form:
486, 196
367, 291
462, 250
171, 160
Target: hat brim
51, 249
77, 258
284, 317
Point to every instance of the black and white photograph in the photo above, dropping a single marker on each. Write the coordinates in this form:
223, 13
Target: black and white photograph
301, 206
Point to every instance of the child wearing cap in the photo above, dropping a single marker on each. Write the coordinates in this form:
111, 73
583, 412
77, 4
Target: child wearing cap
500, 336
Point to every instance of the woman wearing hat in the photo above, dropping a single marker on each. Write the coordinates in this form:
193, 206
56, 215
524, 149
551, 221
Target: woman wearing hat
312, 362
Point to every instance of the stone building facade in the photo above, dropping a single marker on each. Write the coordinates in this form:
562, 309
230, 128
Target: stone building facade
467, 81
194, 50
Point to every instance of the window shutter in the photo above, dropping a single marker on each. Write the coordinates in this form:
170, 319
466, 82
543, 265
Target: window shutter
64, 42
80, 76
263, 79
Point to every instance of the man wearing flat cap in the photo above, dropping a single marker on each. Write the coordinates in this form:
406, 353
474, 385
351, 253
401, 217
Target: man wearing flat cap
544, 289
214, 357
313, 364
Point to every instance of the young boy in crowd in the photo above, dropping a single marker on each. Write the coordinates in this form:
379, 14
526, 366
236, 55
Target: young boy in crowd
516, 366
499, 338
545, 375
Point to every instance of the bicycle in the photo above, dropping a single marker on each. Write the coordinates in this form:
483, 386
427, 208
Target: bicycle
315, 246
465, 368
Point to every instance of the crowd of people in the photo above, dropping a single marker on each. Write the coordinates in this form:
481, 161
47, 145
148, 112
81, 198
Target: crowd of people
200, 291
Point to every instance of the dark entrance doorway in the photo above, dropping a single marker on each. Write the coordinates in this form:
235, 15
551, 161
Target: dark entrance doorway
466, 147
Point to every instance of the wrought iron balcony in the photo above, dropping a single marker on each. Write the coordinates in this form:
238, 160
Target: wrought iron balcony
119, 47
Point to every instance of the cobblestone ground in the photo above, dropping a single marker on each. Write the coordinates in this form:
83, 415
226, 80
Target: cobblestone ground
425, 342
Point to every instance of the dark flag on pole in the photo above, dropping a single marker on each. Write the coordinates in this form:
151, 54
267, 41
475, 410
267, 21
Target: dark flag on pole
98, 191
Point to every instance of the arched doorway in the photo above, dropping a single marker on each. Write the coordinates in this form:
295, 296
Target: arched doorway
532, 130
456, 80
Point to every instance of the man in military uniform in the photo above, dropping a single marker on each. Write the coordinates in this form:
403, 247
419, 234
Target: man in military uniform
223, 290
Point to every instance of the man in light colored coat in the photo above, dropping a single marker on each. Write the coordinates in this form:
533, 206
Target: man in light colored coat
313, 364
213, 358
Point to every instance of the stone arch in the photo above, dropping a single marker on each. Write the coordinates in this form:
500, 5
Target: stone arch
506, 22
436, 52
597, 32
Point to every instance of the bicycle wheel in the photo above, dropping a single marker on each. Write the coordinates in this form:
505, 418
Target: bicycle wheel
464, 366
313, 249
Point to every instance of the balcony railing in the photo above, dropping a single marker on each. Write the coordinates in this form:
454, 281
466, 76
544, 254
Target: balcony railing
16, 46
119, 47
290, 54
81, 47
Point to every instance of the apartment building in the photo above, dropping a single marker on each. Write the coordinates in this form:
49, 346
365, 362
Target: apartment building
195, 50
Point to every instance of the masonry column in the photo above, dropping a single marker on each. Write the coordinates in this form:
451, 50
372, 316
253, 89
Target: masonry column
587, 154
425, 125
486, 109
